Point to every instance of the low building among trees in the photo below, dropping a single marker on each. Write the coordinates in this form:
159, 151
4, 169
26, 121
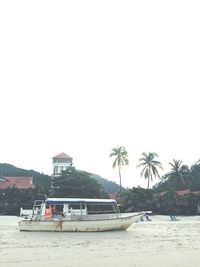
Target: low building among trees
17, 182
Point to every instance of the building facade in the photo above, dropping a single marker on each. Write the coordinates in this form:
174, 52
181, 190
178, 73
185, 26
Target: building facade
61, 162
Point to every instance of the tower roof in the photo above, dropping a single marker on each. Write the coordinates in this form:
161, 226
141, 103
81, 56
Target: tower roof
62, 156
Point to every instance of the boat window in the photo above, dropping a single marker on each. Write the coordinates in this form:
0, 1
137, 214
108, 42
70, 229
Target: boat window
58, 208
77, 206
100, 208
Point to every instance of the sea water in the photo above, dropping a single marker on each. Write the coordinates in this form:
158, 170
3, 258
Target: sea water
146, 244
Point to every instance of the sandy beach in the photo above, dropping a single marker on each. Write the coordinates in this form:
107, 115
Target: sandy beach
160, 242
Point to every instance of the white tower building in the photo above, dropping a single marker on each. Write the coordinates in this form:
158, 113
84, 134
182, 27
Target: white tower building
60, 163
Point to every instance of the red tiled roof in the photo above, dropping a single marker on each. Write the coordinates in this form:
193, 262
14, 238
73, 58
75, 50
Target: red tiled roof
183, 192
179, 192
62, 156
160, 194
113, 195
18, 182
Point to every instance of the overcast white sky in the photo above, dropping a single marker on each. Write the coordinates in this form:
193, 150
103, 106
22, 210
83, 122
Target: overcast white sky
82, 77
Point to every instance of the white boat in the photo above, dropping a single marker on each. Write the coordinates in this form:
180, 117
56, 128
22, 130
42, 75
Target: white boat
77, 215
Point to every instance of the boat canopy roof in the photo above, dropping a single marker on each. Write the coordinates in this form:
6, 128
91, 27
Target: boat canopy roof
54, 201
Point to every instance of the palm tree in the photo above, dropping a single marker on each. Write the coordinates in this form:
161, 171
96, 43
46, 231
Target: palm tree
177, 171
198, 161
121, 159
149, 166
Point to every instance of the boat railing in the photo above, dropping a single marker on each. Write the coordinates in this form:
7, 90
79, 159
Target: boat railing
102, 212
37, 209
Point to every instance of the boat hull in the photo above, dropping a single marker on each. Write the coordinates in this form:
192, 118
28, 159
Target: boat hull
121, 223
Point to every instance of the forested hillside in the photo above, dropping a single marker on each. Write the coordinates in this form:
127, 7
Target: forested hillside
109, 186
45, 180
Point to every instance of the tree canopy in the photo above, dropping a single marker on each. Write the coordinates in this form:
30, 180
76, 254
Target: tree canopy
75, 183
178, 170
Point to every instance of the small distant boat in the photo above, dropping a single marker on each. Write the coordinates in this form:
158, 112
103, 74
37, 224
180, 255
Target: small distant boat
77, 215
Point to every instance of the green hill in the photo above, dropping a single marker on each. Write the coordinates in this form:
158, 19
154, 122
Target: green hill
109, 186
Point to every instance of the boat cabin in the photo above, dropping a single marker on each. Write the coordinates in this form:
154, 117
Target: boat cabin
65, 207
